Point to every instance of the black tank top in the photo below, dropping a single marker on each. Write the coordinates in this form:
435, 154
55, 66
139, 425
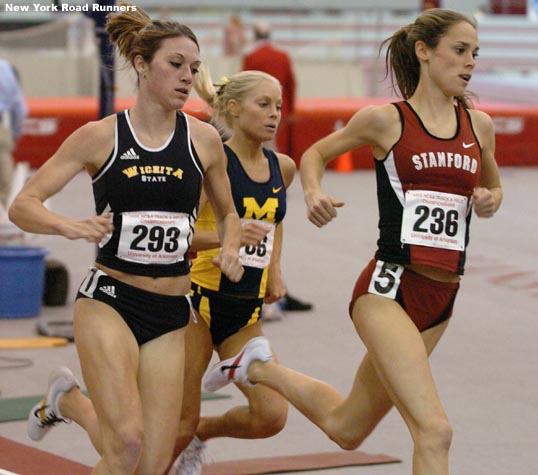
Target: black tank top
154, 194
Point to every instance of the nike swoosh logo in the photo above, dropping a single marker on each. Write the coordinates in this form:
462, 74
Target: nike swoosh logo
467, 145
276, 190
226, 368
235, 365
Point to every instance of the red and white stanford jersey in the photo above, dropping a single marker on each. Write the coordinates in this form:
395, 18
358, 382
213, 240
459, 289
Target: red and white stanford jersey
424, 189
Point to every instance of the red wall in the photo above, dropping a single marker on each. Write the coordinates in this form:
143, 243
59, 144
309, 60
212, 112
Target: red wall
51, 120
516, 128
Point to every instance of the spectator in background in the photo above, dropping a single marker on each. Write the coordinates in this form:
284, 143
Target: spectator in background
13, 111
276, 62
427, 4
234, 37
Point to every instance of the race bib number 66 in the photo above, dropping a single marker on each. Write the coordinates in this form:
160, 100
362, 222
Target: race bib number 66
258, 256
434, 219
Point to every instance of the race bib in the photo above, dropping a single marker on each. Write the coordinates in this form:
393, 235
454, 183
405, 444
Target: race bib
434, 219
260, 255
385, 279
154, 237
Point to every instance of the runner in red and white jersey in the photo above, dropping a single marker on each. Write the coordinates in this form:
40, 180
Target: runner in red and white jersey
434, 162
425, 186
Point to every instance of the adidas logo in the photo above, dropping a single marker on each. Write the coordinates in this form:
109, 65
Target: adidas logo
130, 155
110, 290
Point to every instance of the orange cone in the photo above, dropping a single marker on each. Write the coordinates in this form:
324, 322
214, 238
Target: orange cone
344, 163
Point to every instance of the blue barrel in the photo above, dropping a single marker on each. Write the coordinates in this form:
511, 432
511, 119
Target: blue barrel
22, 280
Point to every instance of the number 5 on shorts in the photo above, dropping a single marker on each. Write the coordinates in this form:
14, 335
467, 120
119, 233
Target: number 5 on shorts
385, 279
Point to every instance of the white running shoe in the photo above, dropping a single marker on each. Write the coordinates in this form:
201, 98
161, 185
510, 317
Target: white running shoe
235, 369
46, 413
190, 460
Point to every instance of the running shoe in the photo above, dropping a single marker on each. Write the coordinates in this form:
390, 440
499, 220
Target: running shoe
190, 460
45, 414
235, 369
292, 304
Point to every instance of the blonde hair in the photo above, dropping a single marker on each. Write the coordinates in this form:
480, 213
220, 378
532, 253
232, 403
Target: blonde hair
217, 95
401, 62
135, 33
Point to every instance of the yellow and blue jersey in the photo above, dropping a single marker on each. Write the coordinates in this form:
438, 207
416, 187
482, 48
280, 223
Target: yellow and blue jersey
253, 201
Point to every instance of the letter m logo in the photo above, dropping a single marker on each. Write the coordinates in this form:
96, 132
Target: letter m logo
254, 211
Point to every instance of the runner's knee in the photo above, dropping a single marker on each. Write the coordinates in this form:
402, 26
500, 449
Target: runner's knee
346, 439
271, 419
124, 448
436, 436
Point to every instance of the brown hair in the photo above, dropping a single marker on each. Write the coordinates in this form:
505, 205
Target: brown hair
135, 33
401, 62
219, 94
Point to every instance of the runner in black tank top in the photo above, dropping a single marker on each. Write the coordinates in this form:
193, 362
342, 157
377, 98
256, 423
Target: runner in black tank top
153, 195
130, 317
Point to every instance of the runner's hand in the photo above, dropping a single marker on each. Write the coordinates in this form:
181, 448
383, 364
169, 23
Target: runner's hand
483, 202
92, 229
254, 232
321, 208
230, 266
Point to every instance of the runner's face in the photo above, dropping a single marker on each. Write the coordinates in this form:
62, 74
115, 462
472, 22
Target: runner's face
260, 111
172, 70
451, 63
